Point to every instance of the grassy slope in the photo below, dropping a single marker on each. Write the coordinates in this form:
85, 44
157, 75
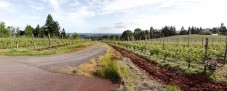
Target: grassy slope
27, 52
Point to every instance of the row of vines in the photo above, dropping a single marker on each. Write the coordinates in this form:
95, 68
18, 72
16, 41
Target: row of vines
34, 43
192, 55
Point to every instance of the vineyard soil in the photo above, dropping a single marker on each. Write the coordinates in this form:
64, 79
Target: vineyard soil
186, 83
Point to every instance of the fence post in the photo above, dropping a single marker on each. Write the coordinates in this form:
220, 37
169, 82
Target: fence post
206, 56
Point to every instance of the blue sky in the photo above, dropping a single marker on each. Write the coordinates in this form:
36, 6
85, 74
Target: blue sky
114, 16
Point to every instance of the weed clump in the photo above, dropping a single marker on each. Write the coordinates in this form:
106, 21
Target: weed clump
109, 68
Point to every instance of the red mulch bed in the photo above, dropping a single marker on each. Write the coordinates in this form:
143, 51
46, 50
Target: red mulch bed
186, 83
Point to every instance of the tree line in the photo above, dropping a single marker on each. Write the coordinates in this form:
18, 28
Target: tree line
51, 27
139, 34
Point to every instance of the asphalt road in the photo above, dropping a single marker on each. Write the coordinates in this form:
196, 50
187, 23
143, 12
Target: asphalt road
27, 74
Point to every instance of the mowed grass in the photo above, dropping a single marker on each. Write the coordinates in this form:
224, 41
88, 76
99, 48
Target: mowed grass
29, 52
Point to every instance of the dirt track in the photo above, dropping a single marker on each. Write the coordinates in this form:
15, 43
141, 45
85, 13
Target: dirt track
27, 74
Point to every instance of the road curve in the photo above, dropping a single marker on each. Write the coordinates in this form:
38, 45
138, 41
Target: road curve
27, 74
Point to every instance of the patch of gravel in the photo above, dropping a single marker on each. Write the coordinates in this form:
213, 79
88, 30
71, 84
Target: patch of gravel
141, 81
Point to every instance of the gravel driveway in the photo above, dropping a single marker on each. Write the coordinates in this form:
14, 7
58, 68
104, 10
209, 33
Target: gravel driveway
27, 74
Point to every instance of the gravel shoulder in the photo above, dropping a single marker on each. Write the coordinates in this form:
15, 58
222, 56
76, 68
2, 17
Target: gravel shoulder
29, 74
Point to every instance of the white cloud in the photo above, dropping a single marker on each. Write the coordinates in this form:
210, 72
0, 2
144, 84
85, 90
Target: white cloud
122, 5
39, 8
5, 4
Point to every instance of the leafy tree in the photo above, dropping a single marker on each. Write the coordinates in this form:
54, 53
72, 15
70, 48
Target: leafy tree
28, 30
189, 30
168, 31
112, 37
76, 36
142, 35
42, 32
19, 32
147, 34
223, 29
127, 35
137, 33
4, 32
215, 30
183, 31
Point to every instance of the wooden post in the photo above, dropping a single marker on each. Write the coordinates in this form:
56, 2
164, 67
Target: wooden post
225, 52
49, 40
188, 40
206, 56
62, 37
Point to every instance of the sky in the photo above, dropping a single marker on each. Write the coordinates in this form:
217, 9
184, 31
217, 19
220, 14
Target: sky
114, 16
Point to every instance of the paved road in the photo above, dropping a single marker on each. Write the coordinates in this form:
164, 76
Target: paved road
27, 74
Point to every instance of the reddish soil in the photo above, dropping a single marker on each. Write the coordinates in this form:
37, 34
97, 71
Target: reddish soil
186, 83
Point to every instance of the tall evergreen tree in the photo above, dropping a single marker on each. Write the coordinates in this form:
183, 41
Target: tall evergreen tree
36, 31
152, 32
183, 31
63, 33
52, 26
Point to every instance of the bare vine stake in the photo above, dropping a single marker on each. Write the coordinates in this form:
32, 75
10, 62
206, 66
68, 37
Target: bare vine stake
62, 37
212, 41
206, 56
33, 41
163, 43
188, 40
49, 40
225, 52
177, 41
17, 44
